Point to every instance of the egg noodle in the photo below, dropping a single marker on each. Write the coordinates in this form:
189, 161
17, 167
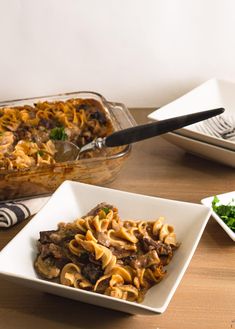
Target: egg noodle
27, 132
103, 254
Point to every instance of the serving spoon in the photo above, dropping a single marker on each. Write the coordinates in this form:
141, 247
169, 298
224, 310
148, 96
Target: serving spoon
68, 151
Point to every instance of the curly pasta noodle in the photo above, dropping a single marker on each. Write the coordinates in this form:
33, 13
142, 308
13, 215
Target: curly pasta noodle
101, 253
35, 127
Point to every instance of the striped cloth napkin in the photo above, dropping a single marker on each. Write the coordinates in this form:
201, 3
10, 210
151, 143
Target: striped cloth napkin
12, 213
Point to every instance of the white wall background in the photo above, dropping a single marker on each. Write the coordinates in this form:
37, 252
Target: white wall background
140, 52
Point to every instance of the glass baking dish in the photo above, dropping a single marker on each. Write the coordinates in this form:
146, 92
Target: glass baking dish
98, 170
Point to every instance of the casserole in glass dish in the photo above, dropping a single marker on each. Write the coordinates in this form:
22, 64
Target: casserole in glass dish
27, 167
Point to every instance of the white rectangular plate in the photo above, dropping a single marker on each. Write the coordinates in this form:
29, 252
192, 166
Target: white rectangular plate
211, 94
202, 149
72, 200
225, 199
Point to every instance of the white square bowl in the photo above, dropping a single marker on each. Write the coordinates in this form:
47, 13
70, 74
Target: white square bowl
213, 93
225, 199
72, 200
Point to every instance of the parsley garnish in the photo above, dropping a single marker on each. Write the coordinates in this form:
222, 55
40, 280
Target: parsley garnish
40, 152
58, 133
225, 212
106, 210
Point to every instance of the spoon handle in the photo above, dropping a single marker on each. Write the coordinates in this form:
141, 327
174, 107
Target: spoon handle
141, 132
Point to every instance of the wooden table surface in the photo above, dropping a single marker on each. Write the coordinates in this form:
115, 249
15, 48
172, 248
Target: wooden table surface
205, 297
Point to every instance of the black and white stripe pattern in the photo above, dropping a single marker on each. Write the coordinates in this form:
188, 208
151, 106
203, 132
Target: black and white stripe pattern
12, 213
15, 212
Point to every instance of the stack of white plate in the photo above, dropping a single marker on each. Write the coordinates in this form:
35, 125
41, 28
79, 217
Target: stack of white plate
214, 138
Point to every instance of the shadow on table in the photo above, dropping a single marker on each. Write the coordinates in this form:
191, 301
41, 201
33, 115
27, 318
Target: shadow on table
215, 236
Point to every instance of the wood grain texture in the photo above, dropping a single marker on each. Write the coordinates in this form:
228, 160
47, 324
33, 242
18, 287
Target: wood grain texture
205, 297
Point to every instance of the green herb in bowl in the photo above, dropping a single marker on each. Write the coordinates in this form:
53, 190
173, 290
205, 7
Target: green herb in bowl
225, 212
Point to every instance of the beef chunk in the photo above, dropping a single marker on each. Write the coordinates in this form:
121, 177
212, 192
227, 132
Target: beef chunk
51, 249
161, 248
95, 211
47, 236
92, 272
57, 236
144, 261
82, 107
99, 116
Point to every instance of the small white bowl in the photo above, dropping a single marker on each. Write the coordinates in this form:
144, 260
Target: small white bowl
72, 200
225, 199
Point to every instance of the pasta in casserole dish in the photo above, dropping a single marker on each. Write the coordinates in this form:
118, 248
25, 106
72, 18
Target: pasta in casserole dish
27, 132
29, 127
